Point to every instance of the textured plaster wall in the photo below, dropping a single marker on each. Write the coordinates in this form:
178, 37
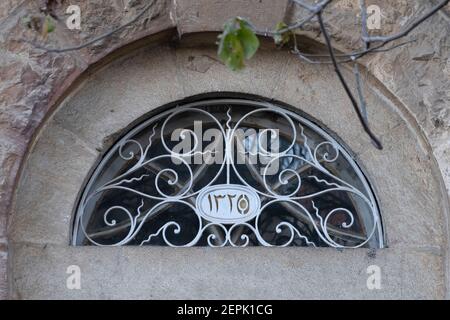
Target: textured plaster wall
32, 81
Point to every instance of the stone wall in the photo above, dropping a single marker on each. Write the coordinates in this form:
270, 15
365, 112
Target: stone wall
32, 82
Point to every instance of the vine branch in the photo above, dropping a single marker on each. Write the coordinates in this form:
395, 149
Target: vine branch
361, 118
371, 44
96, 39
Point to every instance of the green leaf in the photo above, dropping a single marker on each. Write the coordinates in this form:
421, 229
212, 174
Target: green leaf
231, 52
248, 38
48, 26
284, 37
237, 43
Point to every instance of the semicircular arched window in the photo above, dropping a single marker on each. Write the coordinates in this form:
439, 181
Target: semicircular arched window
228, 172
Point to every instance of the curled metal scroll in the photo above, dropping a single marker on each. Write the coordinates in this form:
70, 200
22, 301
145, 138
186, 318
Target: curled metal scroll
304, 160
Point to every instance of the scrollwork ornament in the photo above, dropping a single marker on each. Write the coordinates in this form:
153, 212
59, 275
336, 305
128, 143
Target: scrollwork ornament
236, 212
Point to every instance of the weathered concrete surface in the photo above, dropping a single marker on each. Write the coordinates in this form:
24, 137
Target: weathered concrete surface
60, 163
210, 75
210, 15
3, 265
421, 221
31, 81
226, 273
141, 84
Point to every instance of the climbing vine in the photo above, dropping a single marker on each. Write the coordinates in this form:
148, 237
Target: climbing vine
239, 42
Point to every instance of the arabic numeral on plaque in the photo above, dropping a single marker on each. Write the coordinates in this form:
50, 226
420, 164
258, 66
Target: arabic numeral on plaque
243, 204
228, 203
222, 202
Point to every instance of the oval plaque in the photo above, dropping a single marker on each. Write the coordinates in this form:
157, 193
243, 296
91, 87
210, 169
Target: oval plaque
228, 203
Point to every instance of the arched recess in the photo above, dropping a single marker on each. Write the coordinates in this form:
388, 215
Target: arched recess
122, 93
307, 187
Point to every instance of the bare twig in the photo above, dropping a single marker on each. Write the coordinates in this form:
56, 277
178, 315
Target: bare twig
317, 11
96, 39
364, 31
359, 88
346, 57
371, 44
364, 124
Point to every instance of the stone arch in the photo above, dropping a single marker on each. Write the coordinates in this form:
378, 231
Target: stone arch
75, 135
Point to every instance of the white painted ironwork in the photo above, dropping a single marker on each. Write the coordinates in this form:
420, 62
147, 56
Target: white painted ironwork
229, 212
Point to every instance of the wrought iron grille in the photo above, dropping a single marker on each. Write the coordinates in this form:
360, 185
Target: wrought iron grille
228, 172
